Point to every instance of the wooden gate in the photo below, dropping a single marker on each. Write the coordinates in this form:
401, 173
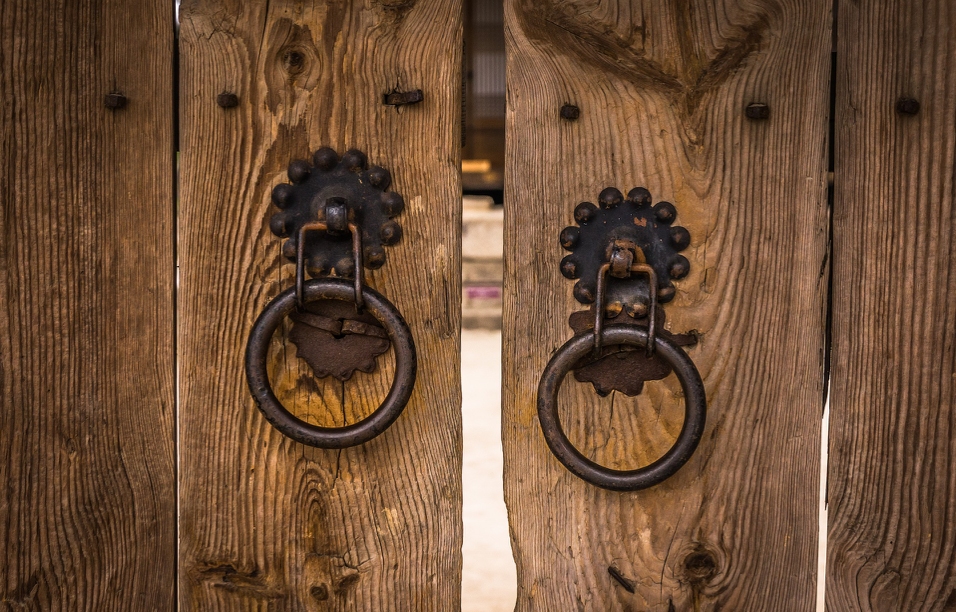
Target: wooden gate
809, 148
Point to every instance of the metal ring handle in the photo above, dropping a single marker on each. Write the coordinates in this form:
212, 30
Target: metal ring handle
695, 411
406, 364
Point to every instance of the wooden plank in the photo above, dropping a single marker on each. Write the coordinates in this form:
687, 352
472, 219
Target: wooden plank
267, 522
662, 92
892, 466
87, 272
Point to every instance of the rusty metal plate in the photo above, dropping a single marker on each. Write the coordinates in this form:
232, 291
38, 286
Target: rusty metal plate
336, 340
620, 368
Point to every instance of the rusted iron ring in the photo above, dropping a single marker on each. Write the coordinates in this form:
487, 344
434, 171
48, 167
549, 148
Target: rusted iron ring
695, 411
406, 364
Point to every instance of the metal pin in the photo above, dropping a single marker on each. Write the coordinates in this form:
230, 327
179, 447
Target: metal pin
570, 112
757, 110
227, 100
115, 100
907, 106
620, 579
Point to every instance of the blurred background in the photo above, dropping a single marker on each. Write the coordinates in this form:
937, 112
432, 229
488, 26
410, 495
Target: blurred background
488, 576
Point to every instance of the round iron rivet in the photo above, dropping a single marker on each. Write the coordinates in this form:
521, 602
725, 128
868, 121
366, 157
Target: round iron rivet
299, 171
570, 112
289, 249
374, 257
583, 293
584, 212
282, 195
391, 233
569, 237
354, 160
665, 212
680, 237
325, 158
907, 106
114, 100
637, 311
317, 266
639, 197
666, 294
758, 111
610, 198
379, 177
613, 309
278, 224
344, 267
679, 267
569, 267
227, 100
393, 203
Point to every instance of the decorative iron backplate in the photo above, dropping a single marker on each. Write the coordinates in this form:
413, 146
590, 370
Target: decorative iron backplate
370, 206
648, 234
633, 223
333, 337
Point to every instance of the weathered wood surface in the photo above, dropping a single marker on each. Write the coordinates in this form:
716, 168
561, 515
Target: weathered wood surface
87, 271
662, 89
892, 466
267, 522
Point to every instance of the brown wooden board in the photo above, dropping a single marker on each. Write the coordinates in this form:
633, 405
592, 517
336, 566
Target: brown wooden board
892, 465
267, 522
662, 90
87, 272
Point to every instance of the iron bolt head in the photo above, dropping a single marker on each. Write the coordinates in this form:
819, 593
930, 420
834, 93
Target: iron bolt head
757, 111
325, 158
374, 257
299, 171
114, 100
282, 195
354, 160
583, 293
610, 198
227, 100
569, 237
584, 212
569, 267
639, 197
907, 106
570, 112
665, 212
379, 177
391, 233
680, 237
394, 203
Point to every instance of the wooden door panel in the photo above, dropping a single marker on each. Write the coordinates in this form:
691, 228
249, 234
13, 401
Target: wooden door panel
87, 273
267, 522
892, 466
662, 90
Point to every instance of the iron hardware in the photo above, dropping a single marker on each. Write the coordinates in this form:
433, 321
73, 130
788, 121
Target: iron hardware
634, 244
337, 216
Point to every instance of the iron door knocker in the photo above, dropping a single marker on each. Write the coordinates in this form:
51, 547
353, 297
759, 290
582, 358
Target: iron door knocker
337, 216
635, 244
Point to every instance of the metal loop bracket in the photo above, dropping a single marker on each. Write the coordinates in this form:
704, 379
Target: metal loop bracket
695, 411
406, 365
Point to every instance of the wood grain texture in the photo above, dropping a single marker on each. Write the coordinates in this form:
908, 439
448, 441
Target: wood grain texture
87, 271
892, 466
662, 89
268, 523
